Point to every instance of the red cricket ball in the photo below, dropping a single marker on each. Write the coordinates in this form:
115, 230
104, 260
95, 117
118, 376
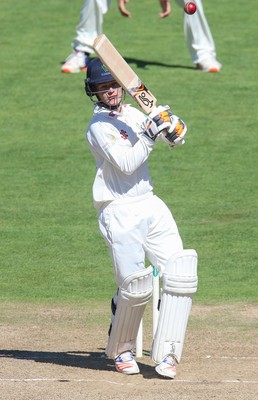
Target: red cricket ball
190, 8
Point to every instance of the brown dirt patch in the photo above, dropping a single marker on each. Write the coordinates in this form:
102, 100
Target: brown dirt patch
57, 352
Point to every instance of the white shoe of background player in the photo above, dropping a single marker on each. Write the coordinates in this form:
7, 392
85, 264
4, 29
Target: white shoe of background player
126, 364
209, 65
76, 62
167, 367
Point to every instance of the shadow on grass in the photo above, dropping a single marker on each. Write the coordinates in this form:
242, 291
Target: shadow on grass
89, 360
142, 64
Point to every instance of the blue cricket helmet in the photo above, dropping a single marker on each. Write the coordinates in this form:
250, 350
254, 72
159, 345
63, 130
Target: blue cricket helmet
96, 73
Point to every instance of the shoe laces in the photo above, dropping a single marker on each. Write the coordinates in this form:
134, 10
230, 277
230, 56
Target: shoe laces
125, 357
170, 359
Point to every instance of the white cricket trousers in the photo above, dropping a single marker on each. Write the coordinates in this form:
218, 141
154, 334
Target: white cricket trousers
197, 33
90, 25
138, 228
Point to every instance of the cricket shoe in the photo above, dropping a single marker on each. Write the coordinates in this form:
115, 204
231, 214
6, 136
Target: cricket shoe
76, 62
209, 65
167, 367
126, 364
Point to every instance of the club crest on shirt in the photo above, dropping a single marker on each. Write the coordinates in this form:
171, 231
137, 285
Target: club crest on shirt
123, 134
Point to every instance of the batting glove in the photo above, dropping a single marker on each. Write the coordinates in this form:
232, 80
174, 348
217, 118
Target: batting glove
175, 132
158, 120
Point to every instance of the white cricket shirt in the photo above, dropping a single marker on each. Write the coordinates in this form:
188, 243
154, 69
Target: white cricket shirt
120, 152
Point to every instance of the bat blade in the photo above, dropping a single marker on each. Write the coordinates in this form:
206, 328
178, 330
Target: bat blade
124, 74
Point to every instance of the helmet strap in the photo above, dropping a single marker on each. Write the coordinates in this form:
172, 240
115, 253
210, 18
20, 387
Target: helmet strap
112, 108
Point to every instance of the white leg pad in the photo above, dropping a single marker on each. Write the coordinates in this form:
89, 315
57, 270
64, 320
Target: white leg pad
179, 284
133, 296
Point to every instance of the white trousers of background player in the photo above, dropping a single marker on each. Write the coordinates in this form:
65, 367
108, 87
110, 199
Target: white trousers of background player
139, 227
197, 34
90, 25
196, 29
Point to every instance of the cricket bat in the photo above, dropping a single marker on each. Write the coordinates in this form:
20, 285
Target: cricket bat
124, 74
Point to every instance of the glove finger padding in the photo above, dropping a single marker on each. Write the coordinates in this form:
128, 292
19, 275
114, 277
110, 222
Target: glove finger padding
175, 132
158, 120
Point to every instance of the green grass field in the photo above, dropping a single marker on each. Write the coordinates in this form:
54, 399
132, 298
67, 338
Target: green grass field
51, 250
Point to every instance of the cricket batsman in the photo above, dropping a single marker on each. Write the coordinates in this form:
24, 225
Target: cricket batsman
136, 224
